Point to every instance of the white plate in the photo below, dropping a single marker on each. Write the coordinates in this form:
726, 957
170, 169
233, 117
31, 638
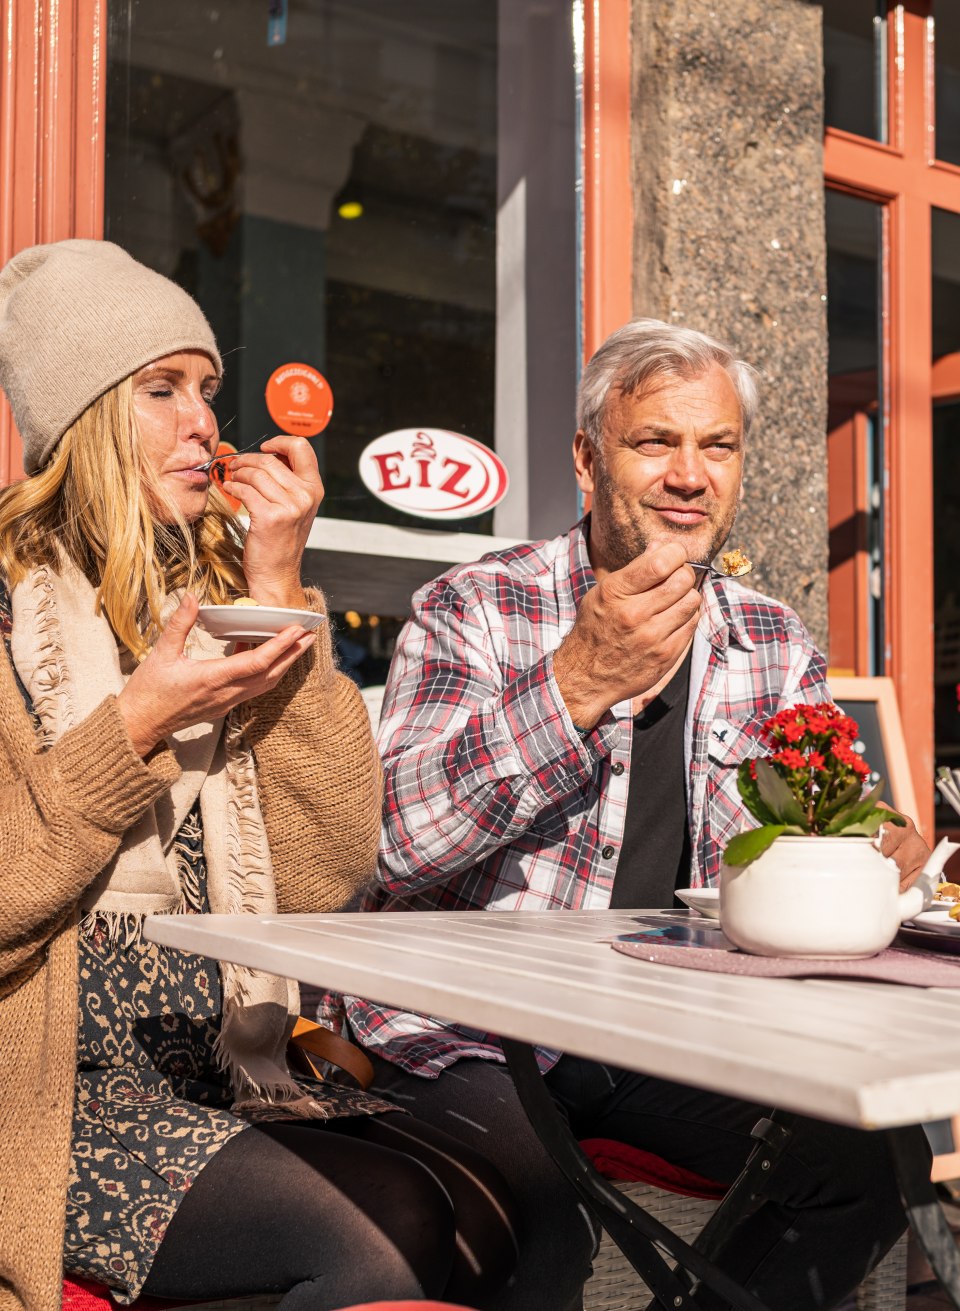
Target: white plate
937, 921
704, 900
253, 623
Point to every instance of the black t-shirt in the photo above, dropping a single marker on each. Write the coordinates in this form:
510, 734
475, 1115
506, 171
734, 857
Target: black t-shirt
655, 856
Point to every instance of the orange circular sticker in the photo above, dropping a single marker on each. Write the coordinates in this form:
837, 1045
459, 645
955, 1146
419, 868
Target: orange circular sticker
299, 400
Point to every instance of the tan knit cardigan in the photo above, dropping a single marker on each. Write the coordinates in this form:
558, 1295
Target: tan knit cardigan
62, 815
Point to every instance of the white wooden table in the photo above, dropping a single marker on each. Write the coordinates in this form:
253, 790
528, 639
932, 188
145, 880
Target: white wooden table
869, 1055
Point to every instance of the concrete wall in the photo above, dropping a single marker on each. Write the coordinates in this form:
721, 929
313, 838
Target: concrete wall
730, 239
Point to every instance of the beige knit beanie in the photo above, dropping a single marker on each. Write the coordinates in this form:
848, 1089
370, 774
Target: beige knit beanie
76, 318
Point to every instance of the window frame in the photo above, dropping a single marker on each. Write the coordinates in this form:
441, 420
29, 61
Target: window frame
905, 178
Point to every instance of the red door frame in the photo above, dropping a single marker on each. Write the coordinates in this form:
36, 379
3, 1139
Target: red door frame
52, 109
607, 273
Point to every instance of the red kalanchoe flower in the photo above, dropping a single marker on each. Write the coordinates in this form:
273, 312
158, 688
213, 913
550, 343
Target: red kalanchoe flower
784, 720
817, 722
848, 757
815, 782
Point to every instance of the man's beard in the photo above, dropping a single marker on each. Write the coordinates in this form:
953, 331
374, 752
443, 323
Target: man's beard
625, 537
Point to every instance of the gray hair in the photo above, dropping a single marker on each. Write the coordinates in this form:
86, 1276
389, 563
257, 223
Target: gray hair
647, 349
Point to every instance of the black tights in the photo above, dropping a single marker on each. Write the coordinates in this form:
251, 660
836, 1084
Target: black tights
833, 1210
339, 1212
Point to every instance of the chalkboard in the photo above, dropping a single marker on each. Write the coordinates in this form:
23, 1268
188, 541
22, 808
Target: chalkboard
870, 742
872, 702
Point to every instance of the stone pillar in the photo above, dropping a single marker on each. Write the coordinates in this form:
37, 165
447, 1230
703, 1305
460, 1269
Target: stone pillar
728, 177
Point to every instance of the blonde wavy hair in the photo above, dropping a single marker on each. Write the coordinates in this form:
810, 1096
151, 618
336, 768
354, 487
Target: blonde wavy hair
92, 502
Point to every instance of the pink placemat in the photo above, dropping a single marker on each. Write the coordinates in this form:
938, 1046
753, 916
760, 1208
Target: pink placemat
921, 969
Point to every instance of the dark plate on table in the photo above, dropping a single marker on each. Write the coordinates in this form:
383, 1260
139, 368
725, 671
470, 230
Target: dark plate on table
915, 935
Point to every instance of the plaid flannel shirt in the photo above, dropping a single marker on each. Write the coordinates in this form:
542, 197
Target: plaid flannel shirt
494, 801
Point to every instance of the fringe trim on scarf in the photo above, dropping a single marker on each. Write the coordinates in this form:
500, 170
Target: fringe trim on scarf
191, 897
122, 929
303, 1107
51, 701
248, 877
248, 1091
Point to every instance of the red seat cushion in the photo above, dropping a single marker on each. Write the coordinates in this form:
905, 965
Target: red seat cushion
618, 1161
84, 1295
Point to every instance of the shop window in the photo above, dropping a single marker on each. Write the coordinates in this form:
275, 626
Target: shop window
855, 428
331, 182
330, 199
365, 644
855, 66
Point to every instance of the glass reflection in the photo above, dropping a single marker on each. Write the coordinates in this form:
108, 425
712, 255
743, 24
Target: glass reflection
946, 479
327, 190
855, 428
855, 66
946, 30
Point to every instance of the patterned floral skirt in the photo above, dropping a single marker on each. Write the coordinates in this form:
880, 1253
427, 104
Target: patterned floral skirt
152, 1106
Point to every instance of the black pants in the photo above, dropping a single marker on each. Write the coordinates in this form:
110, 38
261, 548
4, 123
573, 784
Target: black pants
339, 1212
834, 1208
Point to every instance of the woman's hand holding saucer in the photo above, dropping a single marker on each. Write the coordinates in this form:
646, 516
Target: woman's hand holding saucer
280, 488
170, 691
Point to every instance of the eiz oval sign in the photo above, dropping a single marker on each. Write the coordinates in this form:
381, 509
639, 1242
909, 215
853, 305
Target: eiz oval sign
433, 473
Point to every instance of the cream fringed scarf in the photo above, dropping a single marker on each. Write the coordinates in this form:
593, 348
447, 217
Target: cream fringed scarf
67, 656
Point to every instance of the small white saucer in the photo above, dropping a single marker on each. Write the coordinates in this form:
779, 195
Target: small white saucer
253, 623
706, 901
937, 920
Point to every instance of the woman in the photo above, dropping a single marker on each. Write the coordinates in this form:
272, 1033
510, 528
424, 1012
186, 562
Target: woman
158, 1143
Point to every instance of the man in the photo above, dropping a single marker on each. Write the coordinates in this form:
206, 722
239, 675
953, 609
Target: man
561, 729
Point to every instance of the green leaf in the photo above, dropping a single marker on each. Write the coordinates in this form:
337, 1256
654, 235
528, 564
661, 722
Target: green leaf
895, 818
844, 798
775, 793
747, 787
856, 812
866, 826
873, 796
746, 847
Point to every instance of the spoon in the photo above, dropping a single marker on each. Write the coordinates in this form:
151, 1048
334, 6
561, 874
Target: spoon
227, 455
717, 573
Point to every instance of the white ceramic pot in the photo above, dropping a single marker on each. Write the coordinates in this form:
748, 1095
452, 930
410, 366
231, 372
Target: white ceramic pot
833, 898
